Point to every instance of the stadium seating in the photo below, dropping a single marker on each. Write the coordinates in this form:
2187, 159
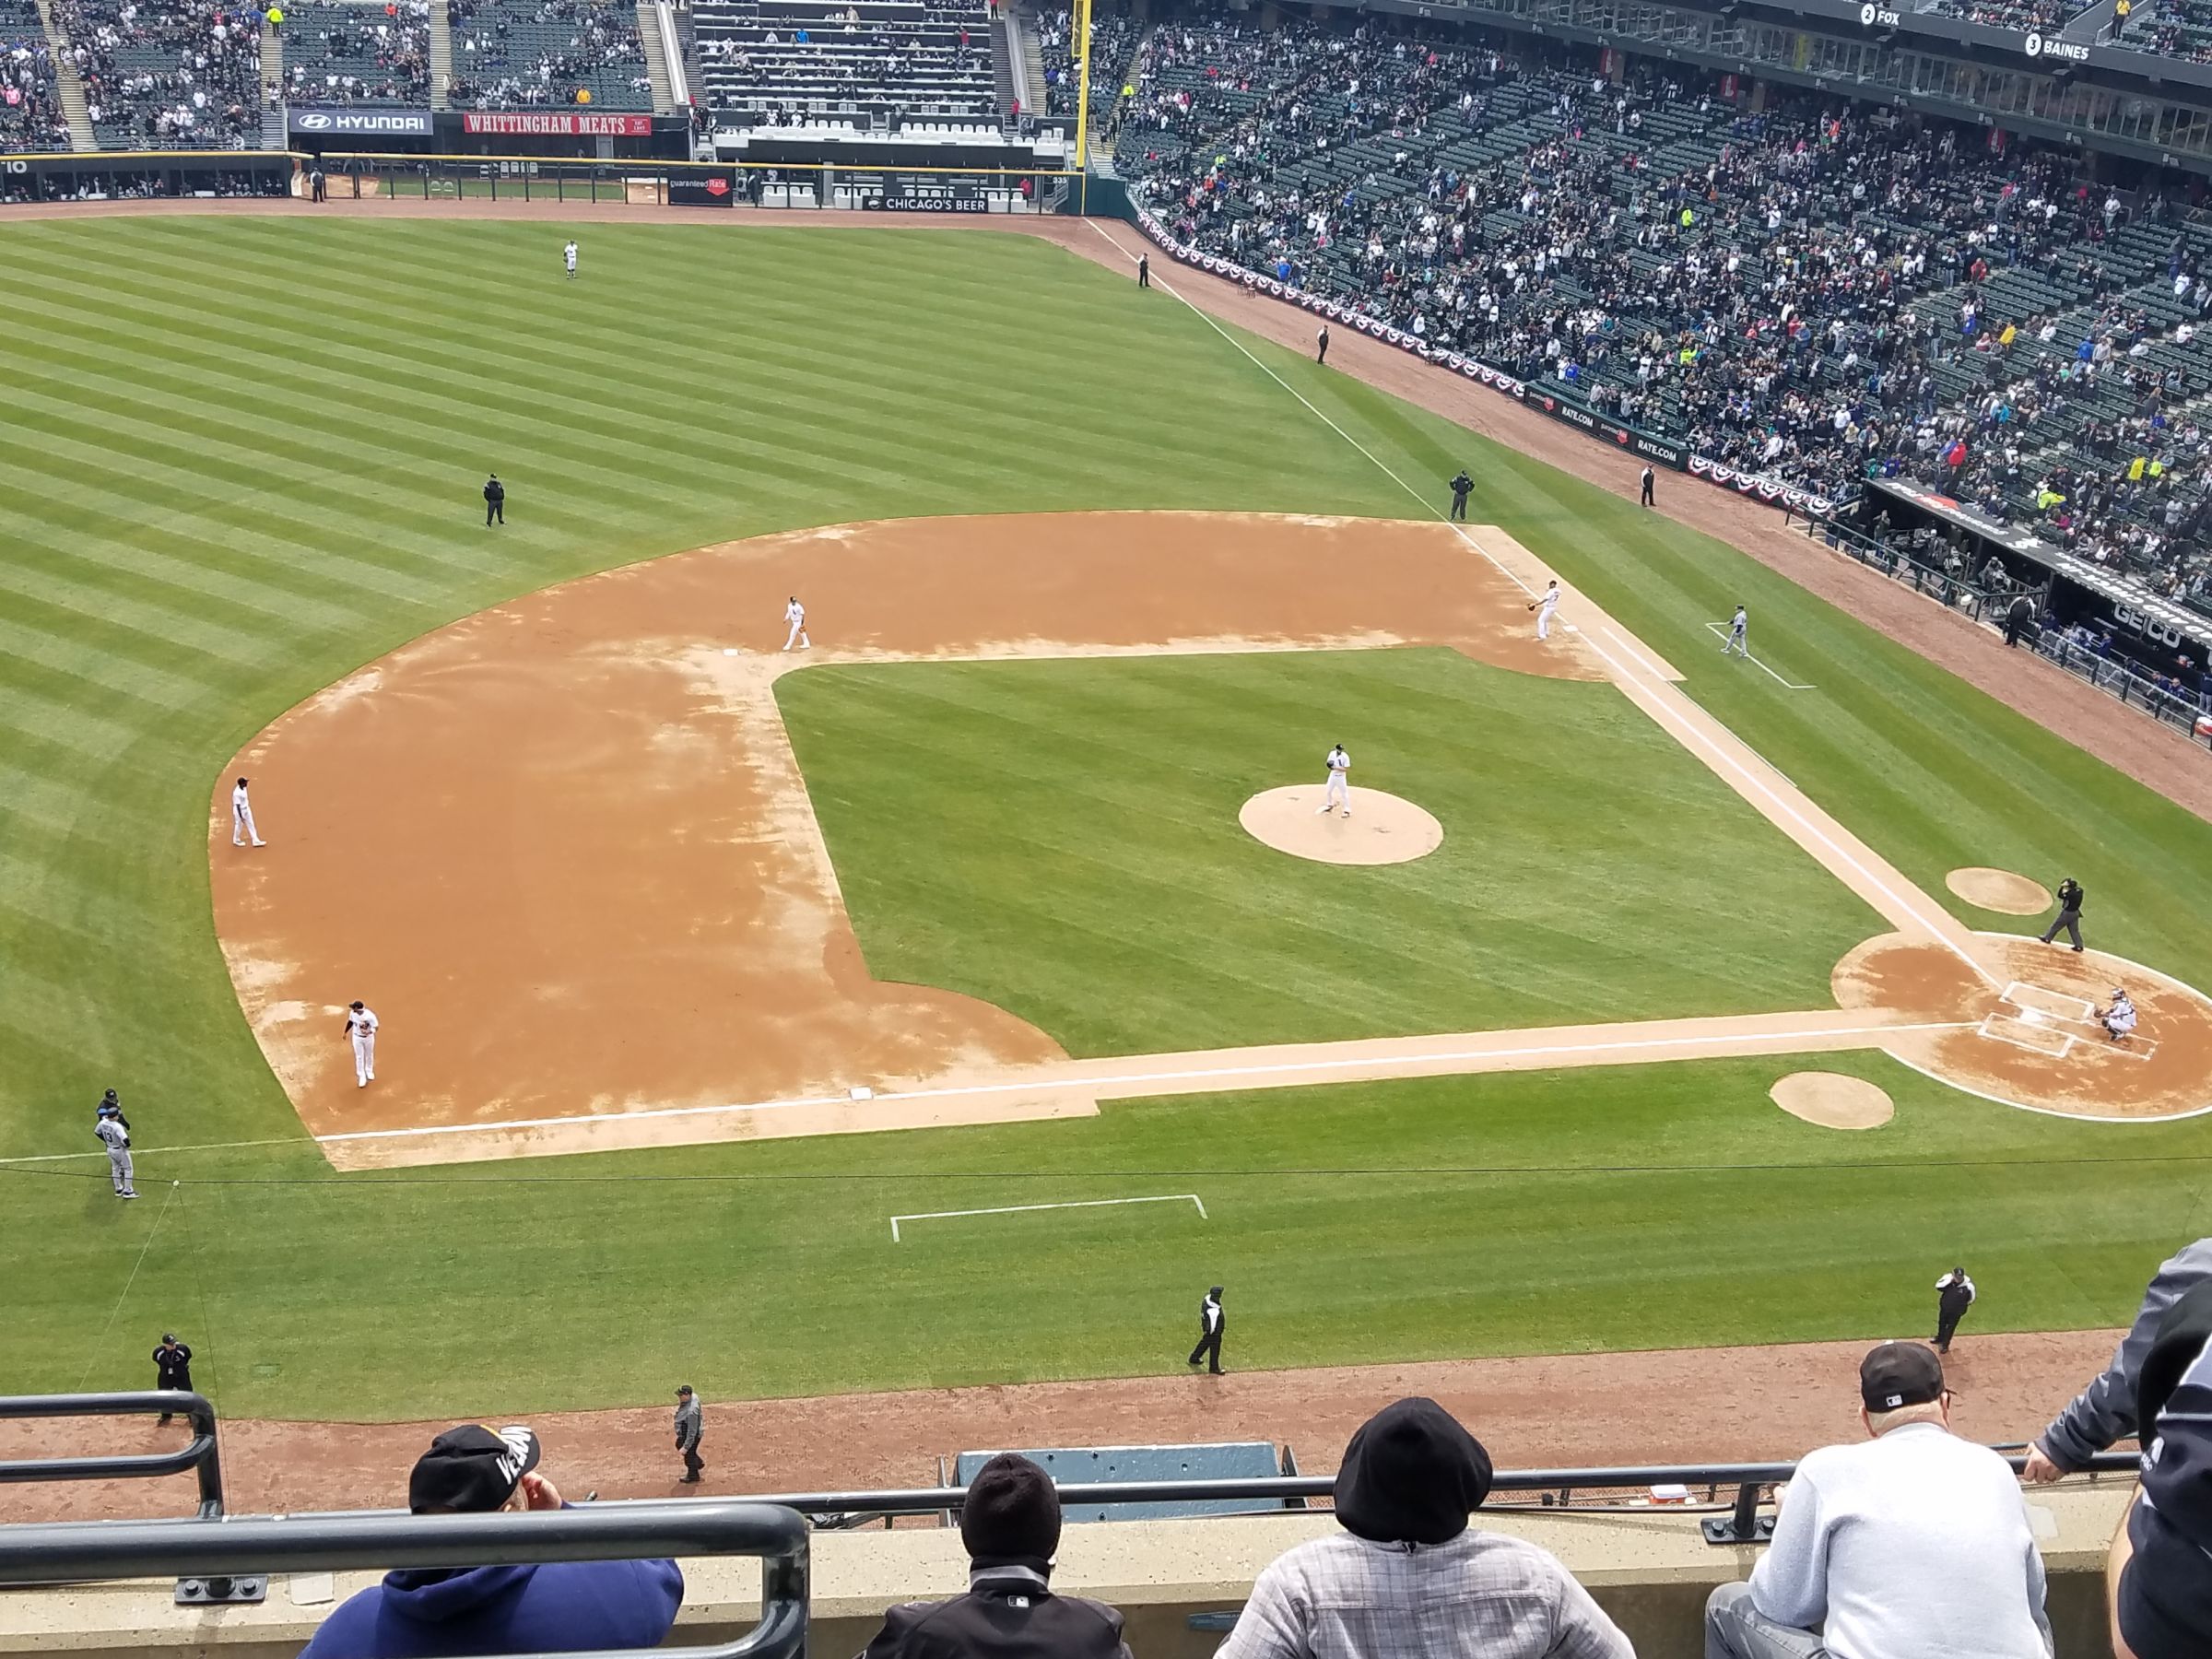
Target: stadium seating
30, 107
512, 53
1112, 44
877, 64
367, 56
165, 74
1815, 293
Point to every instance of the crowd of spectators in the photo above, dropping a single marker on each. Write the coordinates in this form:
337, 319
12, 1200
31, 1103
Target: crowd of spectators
2045, 16
358, 54
1815, 292
760, 71
1902, 1541
509, 53
1113, 38
30, 105
165, 74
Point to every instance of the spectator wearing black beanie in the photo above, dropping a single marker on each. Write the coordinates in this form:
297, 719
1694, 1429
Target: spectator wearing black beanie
1010, 1525
1408, 1575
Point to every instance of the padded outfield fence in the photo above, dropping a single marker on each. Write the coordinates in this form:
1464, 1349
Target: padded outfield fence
638, 181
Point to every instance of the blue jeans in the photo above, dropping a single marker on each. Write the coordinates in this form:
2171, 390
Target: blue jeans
1736, 1629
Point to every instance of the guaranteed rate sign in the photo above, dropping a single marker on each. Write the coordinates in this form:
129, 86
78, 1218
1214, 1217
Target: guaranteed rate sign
556, 123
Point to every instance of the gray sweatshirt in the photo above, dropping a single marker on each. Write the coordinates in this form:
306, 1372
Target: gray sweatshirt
1915, 1545
688, 1424
2105, 1411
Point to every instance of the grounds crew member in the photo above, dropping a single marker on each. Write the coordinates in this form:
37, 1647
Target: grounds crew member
495, 499
1211, 1322
1461, 486
1953, 1295
1144, 270
688, 1430
2069, 912
1321, 345
1648, 477
172, 1368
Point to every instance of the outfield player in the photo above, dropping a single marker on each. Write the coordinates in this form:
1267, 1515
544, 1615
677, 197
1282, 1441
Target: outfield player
241, 818
1339, 791
568, 258
796, 614
1545, 607
115, 1135
360, 1026
1738, 625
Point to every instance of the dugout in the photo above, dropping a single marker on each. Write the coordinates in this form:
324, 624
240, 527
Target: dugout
139, 175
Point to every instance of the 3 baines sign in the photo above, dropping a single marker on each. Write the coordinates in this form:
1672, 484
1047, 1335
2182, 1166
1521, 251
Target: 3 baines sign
560, 124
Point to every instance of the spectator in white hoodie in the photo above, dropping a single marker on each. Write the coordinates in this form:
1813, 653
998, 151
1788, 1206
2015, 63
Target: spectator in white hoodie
1913, 1545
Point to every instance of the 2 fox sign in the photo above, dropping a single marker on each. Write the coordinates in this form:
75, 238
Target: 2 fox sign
1876, 16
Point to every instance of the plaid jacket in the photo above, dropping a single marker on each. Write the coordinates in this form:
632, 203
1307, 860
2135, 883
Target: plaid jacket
1482, 1595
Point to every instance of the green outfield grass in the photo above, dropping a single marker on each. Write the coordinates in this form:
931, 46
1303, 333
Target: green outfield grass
243, 458
1080, 862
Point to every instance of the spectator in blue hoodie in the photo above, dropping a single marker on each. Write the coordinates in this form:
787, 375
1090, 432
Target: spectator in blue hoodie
559, 1607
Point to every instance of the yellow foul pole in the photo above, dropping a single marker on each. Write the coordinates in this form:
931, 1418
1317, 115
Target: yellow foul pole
1080, 22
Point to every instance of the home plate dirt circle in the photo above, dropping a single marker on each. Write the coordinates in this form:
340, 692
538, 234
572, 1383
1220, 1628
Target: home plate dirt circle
1833, 1101
1382, 829
1999, 891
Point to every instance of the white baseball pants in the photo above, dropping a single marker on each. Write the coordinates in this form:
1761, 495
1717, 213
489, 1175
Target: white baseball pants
242, 826
1339, 794
798, 635
364, 1059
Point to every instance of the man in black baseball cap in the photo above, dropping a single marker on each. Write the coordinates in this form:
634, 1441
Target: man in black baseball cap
1010, 1525
1913, 1544
2159, 1574
558, 1607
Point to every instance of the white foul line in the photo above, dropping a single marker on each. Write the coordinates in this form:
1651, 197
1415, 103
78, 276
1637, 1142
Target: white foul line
1019, 1209
290, 1140
1369, 1067
1451, 525
1787, 685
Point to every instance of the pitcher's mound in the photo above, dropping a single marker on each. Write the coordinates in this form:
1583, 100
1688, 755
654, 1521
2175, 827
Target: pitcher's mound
1999, 891
1832, 1100
1382, 829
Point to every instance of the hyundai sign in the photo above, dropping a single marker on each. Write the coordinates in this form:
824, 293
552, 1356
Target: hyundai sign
358, 123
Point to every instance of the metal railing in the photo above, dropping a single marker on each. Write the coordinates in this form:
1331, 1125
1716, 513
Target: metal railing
87, 1551
198, 1455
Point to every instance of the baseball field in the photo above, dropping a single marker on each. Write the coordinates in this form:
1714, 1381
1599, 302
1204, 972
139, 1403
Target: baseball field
799, 1023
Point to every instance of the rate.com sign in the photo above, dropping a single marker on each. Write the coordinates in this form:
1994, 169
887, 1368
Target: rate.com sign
359, 124
534, 124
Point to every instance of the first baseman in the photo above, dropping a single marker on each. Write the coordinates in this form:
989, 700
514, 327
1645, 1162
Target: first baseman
114, 1132
1339, 792
1738, 625
796, 614
1545, 607
241, 818
361, 1025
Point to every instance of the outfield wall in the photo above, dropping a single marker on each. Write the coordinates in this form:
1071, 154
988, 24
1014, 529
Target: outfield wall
1651, 1572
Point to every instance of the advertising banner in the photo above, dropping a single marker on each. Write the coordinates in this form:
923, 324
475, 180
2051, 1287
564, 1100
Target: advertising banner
317, 123
702, 190
1658, 450
556, 123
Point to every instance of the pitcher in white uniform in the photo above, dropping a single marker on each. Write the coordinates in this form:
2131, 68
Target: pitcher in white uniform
796, 614
1339, 792
361, 1025
241, 818
1544, 608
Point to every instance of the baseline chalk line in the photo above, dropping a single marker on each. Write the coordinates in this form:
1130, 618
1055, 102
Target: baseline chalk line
1021, 1209
1716, 629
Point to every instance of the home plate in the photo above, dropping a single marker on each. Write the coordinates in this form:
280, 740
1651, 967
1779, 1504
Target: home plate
729, 650
2034, 1017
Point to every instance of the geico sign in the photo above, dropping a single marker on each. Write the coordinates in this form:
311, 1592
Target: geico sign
2035, 45
1874, 16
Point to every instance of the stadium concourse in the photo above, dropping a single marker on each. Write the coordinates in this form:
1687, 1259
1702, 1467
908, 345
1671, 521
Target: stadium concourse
1816, 293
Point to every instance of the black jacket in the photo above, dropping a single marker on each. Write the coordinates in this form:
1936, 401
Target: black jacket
495, 492
1008, 1613
174, 1366
2070, 896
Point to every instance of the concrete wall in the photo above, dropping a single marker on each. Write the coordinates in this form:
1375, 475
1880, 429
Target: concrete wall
1651, 1573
